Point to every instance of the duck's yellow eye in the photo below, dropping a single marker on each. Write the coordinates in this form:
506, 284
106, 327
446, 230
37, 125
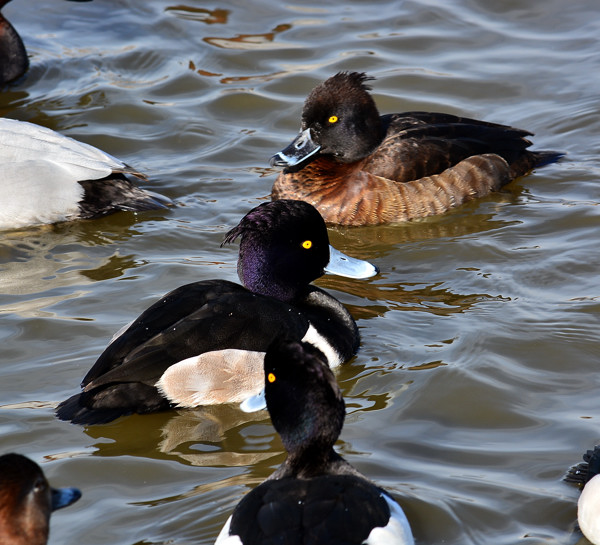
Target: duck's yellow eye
271, 377
307, 244
333, 119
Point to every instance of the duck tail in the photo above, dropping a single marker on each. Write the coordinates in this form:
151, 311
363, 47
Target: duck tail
532, 159
117, 193
545, 157
581, 473
108, 402
74, 410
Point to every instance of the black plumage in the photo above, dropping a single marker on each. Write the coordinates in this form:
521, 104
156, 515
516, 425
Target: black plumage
315, 497
211, 316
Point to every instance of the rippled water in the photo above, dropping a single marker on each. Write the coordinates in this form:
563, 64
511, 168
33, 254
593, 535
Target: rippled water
476, 386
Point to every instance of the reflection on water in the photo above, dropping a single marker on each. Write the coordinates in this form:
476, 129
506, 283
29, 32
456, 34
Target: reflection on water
211, 436
468, 220
44, 259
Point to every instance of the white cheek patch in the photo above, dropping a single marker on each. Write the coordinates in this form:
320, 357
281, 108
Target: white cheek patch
396, 532
312, 336
212, 378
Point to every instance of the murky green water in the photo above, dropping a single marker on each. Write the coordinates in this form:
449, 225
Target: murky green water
477, 383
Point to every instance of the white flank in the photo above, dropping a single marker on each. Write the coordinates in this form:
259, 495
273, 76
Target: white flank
39, 171
313, 337
397, 531
223, 376
225, 539
588, 511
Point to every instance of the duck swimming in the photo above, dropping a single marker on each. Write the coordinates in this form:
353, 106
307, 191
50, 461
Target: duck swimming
586, 474
359, 168
204, 343
26, 501
13, 56
315, 497
46, 177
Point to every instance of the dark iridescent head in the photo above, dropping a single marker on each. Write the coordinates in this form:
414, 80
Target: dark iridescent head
283, 247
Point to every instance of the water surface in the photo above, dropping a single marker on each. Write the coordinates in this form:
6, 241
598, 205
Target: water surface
476, 386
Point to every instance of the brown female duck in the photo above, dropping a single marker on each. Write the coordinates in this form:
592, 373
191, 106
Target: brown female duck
359, 168
26, 501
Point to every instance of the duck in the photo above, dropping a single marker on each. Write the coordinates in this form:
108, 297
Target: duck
204, 343
361, 168
27, 500
46, 177
315, 496
587, 475
13, 56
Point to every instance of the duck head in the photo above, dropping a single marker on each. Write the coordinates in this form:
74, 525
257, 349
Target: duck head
284, 246
27, 500
339, 120
303, 398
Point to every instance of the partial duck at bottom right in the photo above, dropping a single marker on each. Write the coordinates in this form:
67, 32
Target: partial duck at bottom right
585, 475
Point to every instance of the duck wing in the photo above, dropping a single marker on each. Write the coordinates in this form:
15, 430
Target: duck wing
29, 144
333, 509
420, 144
46, 177
193, 319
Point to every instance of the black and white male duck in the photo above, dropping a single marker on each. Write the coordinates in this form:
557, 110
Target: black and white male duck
359, 168
204, 343
46, 177
27, 500
586, 475
13, 56
315, 497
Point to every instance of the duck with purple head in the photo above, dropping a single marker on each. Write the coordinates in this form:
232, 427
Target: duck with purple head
359, 168
204, 343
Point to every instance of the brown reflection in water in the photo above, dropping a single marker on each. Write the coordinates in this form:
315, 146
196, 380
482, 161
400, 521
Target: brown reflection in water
203, 15
39, 259
248, 41
207, 436
374, 241
429, 298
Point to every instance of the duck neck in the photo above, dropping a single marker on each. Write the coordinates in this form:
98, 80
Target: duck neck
262, 273
310, 462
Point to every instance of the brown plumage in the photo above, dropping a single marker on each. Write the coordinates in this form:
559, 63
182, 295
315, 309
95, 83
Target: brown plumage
27, 500
359, 168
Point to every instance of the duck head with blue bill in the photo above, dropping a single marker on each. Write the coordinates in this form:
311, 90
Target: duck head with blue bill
293, 258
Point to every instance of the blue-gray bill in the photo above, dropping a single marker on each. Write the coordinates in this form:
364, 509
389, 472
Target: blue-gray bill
298, 151
350, 267
62, 497
255, 403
